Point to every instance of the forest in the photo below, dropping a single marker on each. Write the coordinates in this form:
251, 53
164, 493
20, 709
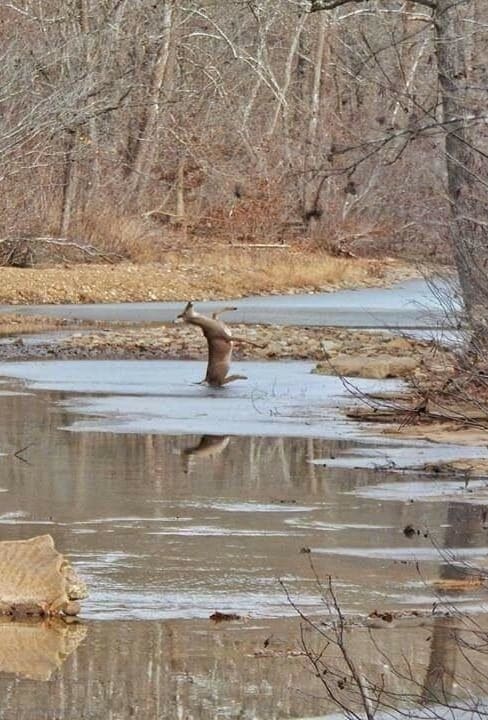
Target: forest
280, 514
241, 120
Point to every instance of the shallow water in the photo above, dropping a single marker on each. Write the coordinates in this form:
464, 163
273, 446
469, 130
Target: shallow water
168, 525
187, 669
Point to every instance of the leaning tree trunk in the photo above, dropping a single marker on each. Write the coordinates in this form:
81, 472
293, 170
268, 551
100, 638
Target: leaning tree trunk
309, 193
467, 168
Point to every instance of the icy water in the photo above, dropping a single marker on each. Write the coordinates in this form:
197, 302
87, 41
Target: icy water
409, 304
175, 501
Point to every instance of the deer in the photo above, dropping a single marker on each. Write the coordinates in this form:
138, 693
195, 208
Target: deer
220, 342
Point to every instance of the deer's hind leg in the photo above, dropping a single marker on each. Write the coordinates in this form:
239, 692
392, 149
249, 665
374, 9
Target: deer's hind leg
231, 378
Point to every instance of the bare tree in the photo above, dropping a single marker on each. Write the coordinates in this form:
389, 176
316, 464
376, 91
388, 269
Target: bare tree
120, 117
462, 121
144, 147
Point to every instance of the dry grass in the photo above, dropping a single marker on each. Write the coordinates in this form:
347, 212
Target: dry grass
196, 274
459, 585
124, 237
281, 270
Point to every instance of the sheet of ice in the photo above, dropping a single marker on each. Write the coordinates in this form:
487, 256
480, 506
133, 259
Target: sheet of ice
402, 454
475, 491
162, 397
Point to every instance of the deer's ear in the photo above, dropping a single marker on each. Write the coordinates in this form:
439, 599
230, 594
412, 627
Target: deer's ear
181, 316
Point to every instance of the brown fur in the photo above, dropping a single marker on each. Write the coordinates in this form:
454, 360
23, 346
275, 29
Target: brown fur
219, 341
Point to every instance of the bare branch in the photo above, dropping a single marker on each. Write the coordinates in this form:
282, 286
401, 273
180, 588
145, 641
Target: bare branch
317, 5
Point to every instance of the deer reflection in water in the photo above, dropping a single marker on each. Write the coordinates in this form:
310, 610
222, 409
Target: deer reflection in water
209, 446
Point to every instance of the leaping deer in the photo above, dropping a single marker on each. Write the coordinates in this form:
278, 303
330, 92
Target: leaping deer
220, 342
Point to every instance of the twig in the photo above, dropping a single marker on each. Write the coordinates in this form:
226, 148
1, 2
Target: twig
18, 453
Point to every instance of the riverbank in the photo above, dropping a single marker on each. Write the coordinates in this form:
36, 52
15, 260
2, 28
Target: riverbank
216, 274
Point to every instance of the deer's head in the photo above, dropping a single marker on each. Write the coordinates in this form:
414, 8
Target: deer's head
187, 313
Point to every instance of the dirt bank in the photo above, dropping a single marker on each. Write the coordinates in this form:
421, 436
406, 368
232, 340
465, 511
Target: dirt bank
185, 275
416, 415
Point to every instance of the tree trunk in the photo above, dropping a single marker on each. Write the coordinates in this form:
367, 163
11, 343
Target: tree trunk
308, 191
92, 180
282, 104
301, 76
181, 218
69, 185
145, 142
467, 169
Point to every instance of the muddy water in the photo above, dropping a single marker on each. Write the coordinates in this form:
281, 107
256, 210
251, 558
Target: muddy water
168, 527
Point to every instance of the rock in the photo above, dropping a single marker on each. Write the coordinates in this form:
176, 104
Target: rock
329, 346
273, 349
378, 367
218, 616
72, 608
409, 531
37, 580
399, 345
465, 467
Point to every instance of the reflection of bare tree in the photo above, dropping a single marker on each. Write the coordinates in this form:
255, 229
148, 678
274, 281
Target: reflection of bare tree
370, 673
154, 461
209, 446
36, 649
381, 671
441, 670
463, 522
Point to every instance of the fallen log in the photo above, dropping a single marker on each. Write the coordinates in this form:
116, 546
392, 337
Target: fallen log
35, 579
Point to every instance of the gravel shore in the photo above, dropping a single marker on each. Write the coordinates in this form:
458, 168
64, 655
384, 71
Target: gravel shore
326, 345
190, 276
